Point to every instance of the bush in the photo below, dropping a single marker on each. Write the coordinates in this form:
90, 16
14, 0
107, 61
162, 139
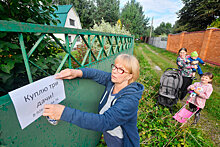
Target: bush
96, 47
12, 69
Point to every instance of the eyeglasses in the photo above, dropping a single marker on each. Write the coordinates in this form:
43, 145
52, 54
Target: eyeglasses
119, 70
182, 52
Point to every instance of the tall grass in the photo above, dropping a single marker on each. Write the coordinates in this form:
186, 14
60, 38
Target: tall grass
156, 125
212, 104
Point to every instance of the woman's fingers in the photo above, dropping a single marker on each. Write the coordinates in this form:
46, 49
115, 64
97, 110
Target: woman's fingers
54, 111
47, 109
46, 114
69, 74
65, 74
47, 106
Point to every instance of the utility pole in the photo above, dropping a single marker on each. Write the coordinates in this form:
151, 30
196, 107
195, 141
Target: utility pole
151, 26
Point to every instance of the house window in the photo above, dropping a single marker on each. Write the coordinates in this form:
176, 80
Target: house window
72, 22
78, 39
69, 37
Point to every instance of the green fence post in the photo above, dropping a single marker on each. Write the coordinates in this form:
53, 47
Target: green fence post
25, 57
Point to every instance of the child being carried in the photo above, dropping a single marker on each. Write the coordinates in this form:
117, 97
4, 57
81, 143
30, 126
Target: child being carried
195, 60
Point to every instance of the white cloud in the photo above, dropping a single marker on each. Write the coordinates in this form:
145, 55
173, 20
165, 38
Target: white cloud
161, 6
161, 10
167, 18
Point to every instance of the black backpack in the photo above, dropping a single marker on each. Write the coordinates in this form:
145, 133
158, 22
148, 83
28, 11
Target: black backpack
170, 84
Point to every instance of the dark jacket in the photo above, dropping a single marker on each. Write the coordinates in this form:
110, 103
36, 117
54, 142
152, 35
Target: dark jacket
197, 59
123, 113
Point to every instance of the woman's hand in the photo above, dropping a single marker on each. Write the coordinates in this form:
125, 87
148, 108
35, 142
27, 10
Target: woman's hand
197, 92
54, 111
69, 74
192, 88
188, 61
195, 66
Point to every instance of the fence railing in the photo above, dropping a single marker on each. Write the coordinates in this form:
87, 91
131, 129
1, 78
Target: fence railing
116, 43
100, 51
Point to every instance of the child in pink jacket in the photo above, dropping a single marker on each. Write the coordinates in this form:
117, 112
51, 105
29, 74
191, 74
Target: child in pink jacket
203, 91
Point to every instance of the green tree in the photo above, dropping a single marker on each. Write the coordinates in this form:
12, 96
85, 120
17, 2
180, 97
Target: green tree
215, 23
133, 18
164, 28
40, 12
108, 10
177, 28
12, 70
197, 14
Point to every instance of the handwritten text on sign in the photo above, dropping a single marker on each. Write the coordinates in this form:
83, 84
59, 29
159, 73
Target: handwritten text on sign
29, 100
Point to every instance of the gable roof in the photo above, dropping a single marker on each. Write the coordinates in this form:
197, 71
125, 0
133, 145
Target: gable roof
62, 12
63, 9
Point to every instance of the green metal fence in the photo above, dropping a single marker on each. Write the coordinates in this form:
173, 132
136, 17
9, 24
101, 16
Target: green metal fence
81, 94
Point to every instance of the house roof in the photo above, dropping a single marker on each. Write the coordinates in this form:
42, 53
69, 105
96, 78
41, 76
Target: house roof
63, 9
62, 12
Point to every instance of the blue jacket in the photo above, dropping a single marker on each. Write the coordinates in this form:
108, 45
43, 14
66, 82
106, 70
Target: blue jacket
197, 59
123, 113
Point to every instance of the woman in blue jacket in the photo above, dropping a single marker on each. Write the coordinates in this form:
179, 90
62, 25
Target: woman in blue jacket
117, 117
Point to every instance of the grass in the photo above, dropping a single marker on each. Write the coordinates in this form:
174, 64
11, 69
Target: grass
171, 56
62, 54
156, 126
215, 70
163, 63
165, 59
212, 104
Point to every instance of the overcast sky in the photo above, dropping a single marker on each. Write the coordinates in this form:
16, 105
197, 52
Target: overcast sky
161, 10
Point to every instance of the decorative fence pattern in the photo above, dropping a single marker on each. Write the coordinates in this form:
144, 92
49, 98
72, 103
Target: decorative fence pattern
81, 94
122, 42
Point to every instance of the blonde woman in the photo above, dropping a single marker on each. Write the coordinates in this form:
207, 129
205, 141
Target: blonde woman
117, 117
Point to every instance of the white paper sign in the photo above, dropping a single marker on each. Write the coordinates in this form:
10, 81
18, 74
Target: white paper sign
30, 99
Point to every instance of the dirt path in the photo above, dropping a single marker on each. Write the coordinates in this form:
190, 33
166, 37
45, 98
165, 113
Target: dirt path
153, 65
161, 56
209, 127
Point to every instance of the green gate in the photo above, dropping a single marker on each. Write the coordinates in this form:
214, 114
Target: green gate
80, 94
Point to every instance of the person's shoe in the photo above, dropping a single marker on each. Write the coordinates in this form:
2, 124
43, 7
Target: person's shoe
197, 116
192, 109
52, 121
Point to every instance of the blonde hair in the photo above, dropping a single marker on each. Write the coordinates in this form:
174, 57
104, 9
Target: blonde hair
131, 64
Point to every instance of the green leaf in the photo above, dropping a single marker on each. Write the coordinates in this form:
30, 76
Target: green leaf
1, 89
28, 38
13, 46
2, 34
7, 67
4, 45
18, 58
5, 77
